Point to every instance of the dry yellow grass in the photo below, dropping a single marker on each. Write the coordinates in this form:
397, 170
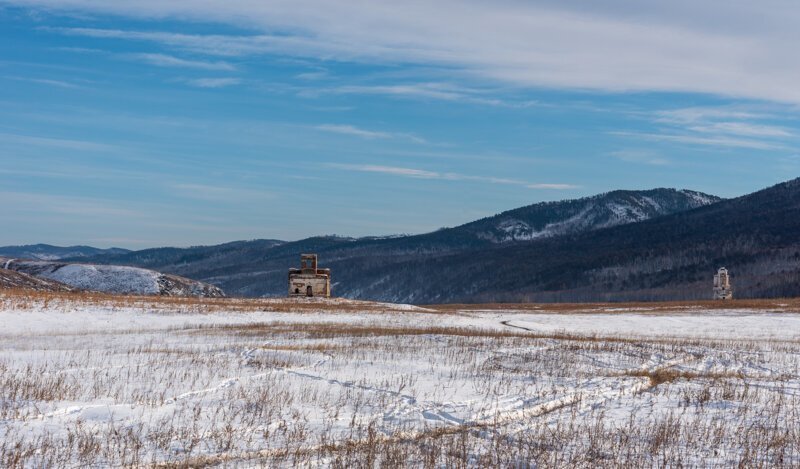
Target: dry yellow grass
18, 297
357, 391
22, 297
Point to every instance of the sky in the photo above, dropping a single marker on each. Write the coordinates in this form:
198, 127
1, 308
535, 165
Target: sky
152, 123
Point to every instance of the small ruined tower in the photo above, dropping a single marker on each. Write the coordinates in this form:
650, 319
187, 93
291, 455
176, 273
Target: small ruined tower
309, 280
722, 285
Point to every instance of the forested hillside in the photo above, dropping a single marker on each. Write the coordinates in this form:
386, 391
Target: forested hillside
447, 265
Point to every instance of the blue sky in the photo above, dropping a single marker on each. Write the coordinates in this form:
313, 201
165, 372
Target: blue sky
139, 124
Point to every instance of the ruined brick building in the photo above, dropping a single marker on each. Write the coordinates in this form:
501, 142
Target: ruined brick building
722, 285
309, 280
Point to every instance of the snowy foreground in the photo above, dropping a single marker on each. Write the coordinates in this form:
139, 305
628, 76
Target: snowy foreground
103, 383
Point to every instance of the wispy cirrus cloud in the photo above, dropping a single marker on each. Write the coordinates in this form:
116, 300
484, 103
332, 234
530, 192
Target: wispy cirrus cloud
700, 114
318, 75
79, 50
219, 193
722, 120
742, 128
45, 81
164, 60
207, 44
352, 130
71, 144
706, 140
723, 126
446, 176
715, 48
214, 82
393, 170
346, 129
426, 90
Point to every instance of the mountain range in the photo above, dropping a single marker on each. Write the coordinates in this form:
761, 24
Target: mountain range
409, 268
661, 244
47, 252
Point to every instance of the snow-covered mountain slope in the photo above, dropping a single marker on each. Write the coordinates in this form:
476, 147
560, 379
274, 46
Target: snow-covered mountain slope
113, 279
365, 267
551, 219
13, 279
46, 252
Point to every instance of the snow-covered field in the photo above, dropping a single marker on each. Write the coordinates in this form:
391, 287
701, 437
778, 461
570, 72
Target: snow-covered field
98, 383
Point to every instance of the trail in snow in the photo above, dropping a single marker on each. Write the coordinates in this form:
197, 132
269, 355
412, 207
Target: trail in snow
508, 323
486, 422
491, 389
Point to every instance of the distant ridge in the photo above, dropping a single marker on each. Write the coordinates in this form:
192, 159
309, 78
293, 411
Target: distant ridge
553, 219
411, 268
47, 252
672, 257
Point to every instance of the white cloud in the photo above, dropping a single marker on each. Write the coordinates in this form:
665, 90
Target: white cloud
346, 129
79, 50
70, 144
722, 120
714, 47
311, 76
58, 83
352, 130
164, 60
719, 141
723, 126
424, 174
407, 172
219, 193
743, 128
438, 91
214, 82
423, 90
45, 81
695, 115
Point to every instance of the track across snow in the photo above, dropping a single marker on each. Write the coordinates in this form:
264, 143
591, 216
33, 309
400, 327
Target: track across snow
252, 387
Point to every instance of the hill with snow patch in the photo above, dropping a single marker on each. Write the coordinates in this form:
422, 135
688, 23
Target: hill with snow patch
112, 278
